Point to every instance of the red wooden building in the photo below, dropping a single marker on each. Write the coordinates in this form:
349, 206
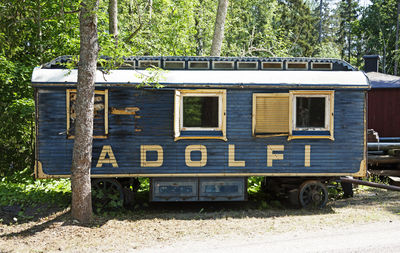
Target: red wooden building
383, 100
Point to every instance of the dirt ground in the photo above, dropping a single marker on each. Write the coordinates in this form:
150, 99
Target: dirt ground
198, 227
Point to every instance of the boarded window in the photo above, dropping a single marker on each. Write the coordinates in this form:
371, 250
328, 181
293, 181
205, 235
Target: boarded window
271, 113
100, 117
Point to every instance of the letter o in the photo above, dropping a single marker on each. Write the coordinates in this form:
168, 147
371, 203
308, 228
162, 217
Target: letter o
188, 158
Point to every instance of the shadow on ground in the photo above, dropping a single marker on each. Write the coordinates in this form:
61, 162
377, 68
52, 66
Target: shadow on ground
22, 202
256, 207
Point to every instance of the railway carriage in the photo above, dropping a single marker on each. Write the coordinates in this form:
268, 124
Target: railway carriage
298, 122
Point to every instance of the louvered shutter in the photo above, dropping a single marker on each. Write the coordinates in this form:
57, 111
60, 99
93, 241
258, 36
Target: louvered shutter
271, 113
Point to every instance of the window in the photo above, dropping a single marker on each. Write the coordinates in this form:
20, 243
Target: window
297, 114
199, 65
297, 65
144, 64
100, 119
311, 114
321, 66
247, 65
272, 65
200, 114
174, 65
270, 114
223, 65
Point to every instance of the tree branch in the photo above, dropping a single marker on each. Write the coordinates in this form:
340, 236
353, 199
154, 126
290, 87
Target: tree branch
140, 23
61, 13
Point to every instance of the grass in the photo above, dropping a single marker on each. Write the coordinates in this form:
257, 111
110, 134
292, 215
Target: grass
30, 192
22, 198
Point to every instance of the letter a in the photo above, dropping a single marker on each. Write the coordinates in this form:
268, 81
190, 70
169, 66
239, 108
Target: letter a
107, 151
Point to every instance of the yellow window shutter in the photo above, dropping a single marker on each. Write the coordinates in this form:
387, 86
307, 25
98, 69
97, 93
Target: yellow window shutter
271, 113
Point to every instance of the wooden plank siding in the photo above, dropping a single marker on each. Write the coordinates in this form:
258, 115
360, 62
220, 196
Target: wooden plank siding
383, 116
153, 124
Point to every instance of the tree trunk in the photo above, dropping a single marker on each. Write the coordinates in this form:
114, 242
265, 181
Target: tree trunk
39, 23
113, 19
198, 36
320, 22
396, 60
219, 28
82, 153
150, 8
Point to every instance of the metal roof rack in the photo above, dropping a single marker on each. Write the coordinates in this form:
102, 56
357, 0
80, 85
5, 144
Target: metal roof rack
219, 63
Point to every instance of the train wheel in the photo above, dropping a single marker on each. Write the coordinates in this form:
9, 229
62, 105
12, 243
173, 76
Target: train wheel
107, 193
313, 194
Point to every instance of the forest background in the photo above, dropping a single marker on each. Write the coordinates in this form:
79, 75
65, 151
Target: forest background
33, 32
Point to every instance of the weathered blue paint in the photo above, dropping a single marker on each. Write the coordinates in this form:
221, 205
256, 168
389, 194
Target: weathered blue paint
153, 124
198, 189
343, 155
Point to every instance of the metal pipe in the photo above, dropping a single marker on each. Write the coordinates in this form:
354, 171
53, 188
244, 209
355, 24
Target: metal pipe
376, 185
389, 139
395, 173
383, 159
376, 146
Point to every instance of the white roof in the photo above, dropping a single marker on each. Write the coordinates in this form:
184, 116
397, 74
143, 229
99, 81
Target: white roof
210, 77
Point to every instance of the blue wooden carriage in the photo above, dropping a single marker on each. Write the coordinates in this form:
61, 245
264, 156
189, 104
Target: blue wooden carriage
298, 122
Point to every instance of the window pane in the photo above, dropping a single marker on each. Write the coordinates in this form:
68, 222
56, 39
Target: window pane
200, 111
310, 112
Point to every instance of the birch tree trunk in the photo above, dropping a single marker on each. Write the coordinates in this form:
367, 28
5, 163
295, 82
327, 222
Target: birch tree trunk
113, 19
396, 60
82, 153
219, 28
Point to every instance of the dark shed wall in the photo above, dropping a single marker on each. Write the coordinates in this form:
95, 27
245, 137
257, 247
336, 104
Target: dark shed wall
154, 126
383, 112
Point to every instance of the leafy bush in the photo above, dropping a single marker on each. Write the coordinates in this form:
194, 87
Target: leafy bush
23, 191
254, 184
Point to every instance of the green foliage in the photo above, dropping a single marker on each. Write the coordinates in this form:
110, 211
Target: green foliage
348, 12
24, 191
105, 200
16, 136
151, 78
377, 31
251, 29
144, 184
298, 27
327, 50
254, 184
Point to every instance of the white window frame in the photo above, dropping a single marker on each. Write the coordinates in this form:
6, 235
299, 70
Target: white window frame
329, 113
178, 115
327, 110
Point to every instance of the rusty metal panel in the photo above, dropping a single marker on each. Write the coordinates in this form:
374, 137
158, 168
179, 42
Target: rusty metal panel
383, 111
223, 189
174, 189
